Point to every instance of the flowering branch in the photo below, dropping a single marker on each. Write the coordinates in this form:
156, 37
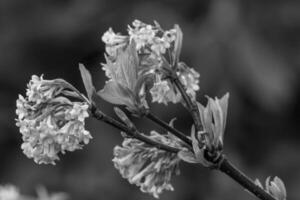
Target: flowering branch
52, 115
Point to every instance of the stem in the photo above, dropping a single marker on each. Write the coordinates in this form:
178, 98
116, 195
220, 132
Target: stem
229, 169
224, 164
133, 133
192, 106
169, 128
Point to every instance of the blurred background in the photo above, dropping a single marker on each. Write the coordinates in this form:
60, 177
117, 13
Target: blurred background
248, 48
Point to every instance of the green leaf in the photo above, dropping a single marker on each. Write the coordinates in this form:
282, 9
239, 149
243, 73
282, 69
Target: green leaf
115, 93
178, 45
87, 81
224, 106
127, 64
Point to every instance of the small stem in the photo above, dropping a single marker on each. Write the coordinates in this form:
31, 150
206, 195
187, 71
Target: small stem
133, 133
229, 169
167, 127
192, 106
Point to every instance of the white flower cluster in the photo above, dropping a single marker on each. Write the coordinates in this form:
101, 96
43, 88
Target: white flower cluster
147, 167
149, 39
189, 78
163, 92
49, 122
113, 41
152, 44
147, 36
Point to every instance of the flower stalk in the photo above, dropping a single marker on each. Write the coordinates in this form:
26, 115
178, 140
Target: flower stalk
169, 128
99, 115
191, 106
229, 169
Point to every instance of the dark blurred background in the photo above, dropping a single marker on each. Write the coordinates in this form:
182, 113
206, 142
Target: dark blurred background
248, 48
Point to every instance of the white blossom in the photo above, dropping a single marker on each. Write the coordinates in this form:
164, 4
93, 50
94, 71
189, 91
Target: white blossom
163, 92
113, 42
145, 166
49, 122
189, 78
143, 34
151, 38
152, 44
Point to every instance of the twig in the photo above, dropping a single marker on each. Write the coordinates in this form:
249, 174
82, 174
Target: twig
192, 106
229, 169
224, 166
167, 127
109, 120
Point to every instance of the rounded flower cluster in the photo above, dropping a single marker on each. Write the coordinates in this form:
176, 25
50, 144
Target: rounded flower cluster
50, 123
155, 47
143, 34
145, 166
149, 39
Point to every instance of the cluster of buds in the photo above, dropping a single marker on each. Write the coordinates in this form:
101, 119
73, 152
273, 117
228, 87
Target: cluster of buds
213, 118
146, 166
209, 142
51, 119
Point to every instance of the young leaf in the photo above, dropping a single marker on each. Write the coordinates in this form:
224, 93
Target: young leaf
178, 45
87, 81
123, 117
224, 106
124, 69
115, 93
128, 64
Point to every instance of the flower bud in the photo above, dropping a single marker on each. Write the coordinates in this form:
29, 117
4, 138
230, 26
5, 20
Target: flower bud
213, 118
163, 92
276, 188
